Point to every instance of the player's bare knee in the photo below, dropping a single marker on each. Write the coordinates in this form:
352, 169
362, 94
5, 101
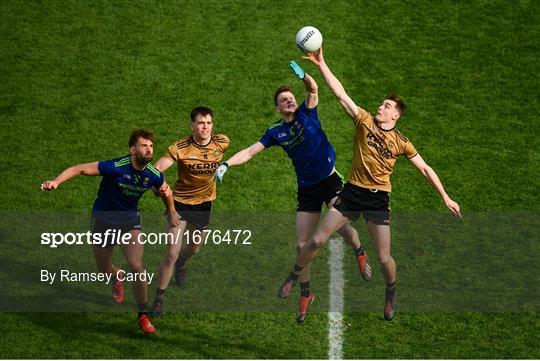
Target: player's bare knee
136, 266
385, 259
323, 234
317, 242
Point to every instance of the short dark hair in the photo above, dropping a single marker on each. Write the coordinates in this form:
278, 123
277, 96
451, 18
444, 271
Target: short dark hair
202, 111
400, 105
140, 133
281, 89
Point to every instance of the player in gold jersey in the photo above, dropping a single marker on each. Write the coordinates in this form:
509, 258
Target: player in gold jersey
377, 145
197, 157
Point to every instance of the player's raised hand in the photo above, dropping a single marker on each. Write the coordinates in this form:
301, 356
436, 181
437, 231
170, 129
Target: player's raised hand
316, 57
453, 207
49, 185
300, 74
218, 175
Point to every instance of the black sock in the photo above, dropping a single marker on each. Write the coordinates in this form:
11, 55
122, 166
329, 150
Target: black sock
390, 292
304, 289
293, 276
160, 294
359, 251
141, 308
180, 262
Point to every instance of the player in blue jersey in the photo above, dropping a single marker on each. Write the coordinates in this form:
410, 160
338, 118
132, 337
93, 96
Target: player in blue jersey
301, 136
115, 211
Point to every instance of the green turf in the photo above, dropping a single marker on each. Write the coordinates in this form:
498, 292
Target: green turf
77, 77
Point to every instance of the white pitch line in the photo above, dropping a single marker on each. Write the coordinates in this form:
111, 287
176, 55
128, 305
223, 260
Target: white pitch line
335, 313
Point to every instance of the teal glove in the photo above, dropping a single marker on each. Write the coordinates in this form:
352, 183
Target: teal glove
220, 172
300, 74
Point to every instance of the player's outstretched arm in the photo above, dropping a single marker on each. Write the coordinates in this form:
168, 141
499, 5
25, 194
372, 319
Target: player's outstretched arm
89, 169
163, 164
241, 157
434, 180
312, 89
335, 85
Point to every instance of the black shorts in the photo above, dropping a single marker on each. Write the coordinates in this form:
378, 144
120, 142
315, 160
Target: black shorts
311, 198
105, 240
197, 215
373, 205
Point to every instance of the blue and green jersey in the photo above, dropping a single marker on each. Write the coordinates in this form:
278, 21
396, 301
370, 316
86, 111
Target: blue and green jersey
121, 188
305, 143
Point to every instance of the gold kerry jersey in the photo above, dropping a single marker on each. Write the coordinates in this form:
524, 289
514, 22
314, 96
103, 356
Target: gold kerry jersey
375, 153
196, 167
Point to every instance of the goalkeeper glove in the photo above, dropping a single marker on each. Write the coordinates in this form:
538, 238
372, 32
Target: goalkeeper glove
300, 74
218, 175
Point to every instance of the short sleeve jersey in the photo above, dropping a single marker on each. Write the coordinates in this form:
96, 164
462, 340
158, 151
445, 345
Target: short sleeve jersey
121, 188
196, 167
305, 143
375, 153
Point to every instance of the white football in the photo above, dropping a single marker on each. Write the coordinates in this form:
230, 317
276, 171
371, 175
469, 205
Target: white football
309, 39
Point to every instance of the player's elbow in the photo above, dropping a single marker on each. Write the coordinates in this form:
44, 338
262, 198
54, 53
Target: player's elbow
427, 171
248, 157
251, 152
80, 169
89, 172
342, 96
84, 169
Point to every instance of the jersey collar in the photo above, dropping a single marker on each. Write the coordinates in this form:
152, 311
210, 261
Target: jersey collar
200, 145
384, 130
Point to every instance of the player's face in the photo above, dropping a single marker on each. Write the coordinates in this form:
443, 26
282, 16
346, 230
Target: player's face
286, 103
202, 127
387, 111
143, 151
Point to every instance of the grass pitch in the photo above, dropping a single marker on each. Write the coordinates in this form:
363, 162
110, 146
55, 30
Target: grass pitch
78, 77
